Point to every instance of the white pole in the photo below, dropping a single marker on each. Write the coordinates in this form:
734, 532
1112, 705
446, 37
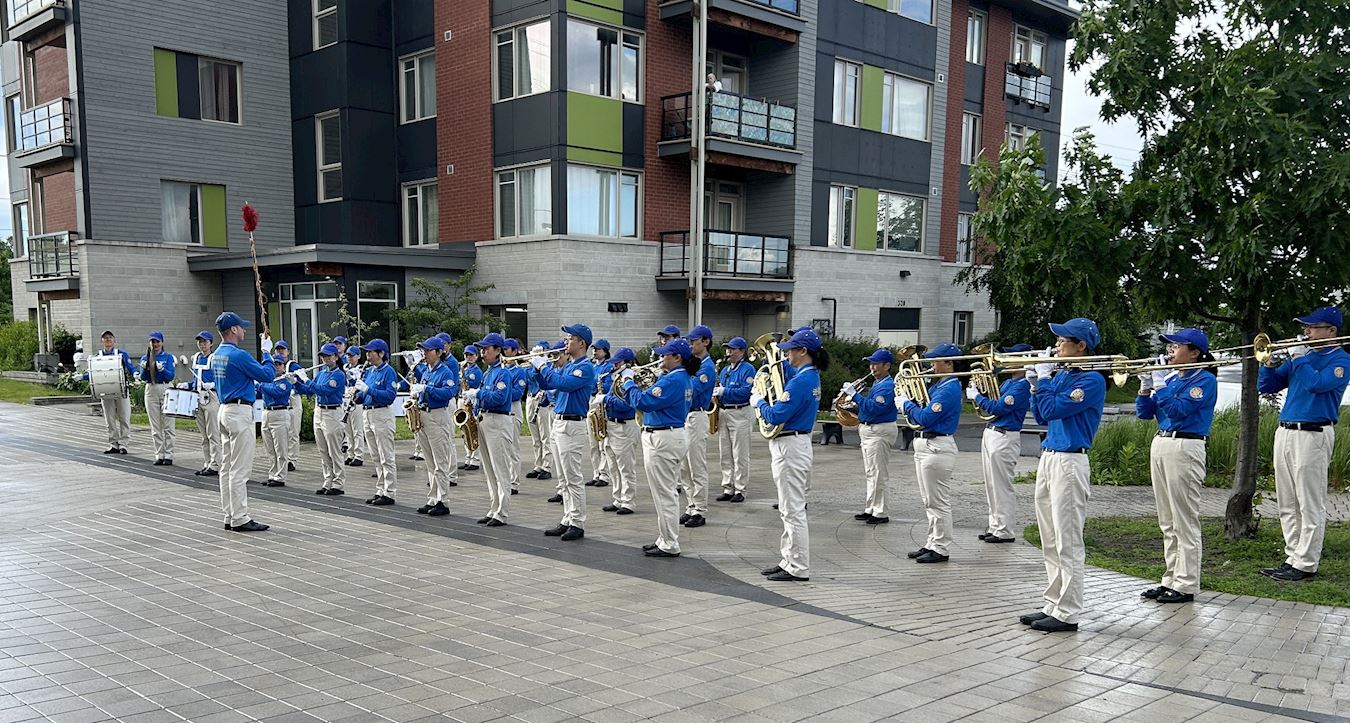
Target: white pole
697, 160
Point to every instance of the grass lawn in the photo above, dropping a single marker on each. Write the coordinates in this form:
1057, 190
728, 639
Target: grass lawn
12, 390
1133, 545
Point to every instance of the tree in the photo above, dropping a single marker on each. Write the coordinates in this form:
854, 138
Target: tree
346, 323
6, 288
1237, 203
450, 306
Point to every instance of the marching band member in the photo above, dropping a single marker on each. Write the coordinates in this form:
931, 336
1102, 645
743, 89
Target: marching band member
790, 451
600, 470
473, 379
328, 387
876, 433
935, 451
498, 431
341, 343
203, 382
1183, 403
521, 382
235, 372
158, 373
296, 407
435, 394
1315, 377
664, 406
1000, 447
1069, 402
356, 418
116, 410
621, 439
376, 393
667, 334
540, 424
276, 425
736, 420
694, 474
575, 383
415, 376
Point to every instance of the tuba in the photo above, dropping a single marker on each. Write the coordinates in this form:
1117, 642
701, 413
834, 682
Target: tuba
769, 381
845, 409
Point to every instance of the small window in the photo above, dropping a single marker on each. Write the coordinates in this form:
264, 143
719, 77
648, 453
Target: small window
14, 107
22, 230
524, 61
325, 23
898, 326
602, 202
904, 110
418, 90
921, 10
1017, 136
899, 222
524, 202
963, 323
847, 82
1029, 46
219, 82
970, 138
975, 25
963, 238
421, 215
328, 135
843, 202
604, 61
182, 212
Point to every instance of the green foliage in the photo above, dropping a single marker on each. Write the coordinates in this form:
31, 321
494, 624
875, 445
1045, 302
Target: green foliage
71, 382
306, 418
6, 283
450, 306
346, 323
63, 344
13, 390
18, 344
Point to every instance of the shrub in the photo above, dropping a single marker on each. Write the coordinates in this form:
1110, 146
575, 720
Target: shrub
18, 344
63, 344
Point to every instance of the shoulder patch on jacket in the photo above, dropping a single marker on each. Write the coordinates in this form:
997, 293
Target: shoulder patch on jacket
1339, 372
1009, 400
1197, 393
501, 385
787, 397
879, 399
656, 391
703, 378
937, 406
576, 372
1076, 395
332, 382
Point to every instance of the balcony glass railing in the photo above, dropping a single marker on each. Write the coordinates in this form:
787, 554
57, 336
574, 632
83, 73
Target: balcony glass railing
1028, 84
738, 117
729, 253
43, 126
21, 10
51, 255
787, 6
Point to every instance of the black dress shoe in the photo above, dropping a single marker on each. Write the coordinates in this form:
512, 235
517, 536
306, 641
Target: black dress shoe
610, 508
423, 509
335, 491
373, 475
438, 510
515, 492
1293, 574
347, 461
984, 535
278, 483
471, 467
383, 501
357, 463
738, 497
158, 462
210, 473
321, 491
555, 498
121, 450
785, 576
1153, 592
290, 466
494, 522
1172, 596
724, 497
649, 546
556, 531
464, 466
995, 539
771, 570
573, 533
775, 505
1050, 624
453, 483
685, 518
1271, 571
168, 463
483, 520
415, 458
863, 516
592, 482
931, 557
878, 520
1030, 618
696, 521
200, 473
601, 483
250, 526
543, 474
918, 553
624, 511
658, 552
532, 474
112, 450
227, 525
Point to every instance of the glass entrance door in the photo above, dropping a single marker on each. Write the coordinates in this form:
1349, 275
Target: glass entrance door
303, 347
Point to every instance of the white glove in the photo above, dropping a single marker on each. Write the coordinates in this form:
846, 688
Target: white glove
417, 389
1030, 376
1295, 352
362, 387
972, 392
538, 362
471, 395
293, 378
208, 386
755, 399
848, 390
1046, 353
901, 396
1044, 371
302, 375
182, 385
717, 391
628, 374
536, 349
266, 343
1145, 384
1159, 379
159, 366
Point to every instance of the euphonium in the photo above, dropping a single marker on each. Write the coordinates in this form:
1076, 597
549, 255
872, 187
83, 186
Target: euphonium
643, 376
986, 383
845, 409
911, 381
769, 382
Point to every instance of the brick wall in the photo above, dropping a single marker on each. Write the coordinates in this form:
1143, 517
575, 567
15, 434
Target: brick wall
51, 73
997, 50
666, 181
951, 156
57, 194
464, 120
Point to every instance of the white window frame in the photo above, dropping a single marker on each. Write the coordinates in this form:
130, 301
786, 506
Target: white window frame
965, 239
889, 83
1023, 36
517, 42
320, 15
843, 210
415, 69
320, 168
238, 90
619, 176
971, 141
851, 116
412, 234
616, 87
960, 319
1023, 135
23, 227
977, 26
195, 192
514, 172
882, 243
897, 7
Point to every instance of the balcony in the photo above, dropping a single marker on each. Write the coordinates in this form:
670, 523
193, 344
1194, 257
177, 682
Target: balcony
736, 265
740, 128
778, 19
44, 134
1028, 84
27, 18
52, 256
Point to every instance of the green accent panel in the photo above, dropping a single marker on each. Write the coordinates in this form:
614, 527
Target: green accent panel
605, 11
166, 82
873, 80
594, 122
273, 317
865, 223
215, 230
876, 3
598, 158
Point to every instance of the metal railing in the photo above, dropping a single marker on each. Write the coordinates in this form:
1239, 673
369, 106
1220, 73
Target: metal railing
51, 255
43, 126
729, 253
21, 10
1026, 83
730, 115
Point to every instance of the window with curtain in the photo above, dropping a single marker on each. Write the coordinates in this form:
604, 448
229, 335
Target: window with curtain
847, 82
421, 217
418, 90
964, 238
325, 23
899, 222
970, 138
603, 61
328, 136
1016, 136
975, 24
1029, 46
842, 203
524, 60
218, 81
904, 109
963, 324
524, 202
602, 201
181, 212
21, 230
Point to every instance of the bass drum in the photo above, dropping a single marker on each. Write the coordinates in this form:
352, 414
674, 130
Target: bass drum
181, 403
107, 377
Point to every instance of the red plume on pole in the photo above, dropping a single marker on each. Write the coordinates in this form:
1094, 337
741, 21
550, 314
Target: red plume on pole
250, 219
251, 225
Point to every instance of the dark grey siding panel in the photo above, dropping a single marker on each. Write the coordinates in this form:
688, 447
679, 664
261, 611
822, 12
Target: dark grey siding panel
510, 12
414, 26
770, 203
974, 90
367, 23
820, 212
527, 129
876, 37
877, 159
417, 151
968, 198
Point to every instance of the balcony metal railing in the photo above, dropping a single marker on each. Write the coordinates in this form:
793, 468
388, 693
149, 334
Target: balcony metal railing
51, 255
729, 253
1026, 83
753, 120
43, 126
21, 10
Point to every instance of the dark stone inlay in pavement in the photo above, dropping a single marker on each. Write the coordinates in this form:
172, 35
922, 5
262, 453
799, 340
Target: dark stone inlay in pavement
688, 573
1249, 704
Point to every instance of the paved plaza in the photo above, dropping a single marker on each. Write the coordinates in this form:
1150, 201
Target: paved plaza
121, 598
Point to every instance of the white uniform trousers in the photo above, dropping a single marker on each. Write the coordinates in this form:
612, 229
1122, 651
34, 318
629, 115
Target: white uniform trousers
790, 458
694, 474
599, 466
117, 417
540, 447
1301, 469
356, 433
208, 426
569, 444
499, 443
662, 455
933, 462
236, 447
734, 430
1062, 493
516, 413
621, 447
328, 433
161, 425
999, 451
297, 411
876, 441
379, 423
1178, 471
474, 457
437, 437
276, 437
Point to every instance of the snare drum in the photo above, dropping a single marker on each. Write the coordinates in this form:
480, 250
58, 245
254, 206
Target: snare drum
181, 403
107, 377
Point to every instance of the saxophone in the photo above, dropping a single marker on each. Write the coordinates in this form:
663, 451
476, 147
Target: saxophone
466, 422
715, 415
595, 417
413, 412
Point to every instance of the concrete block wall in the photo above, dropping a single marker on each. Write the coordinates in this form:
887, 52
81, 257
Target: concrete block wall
22, 297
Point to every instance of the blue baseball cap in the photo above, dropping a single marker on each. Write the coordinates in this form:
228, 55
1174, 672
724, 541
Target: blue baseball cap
281, 344
272, 359
701, 332
601, 344
339, 340
157, 336
229, 320
543, 343
329, 349
942, 351
471, 349
559, 344
354, 351
881, 356
736, 342
493, 339
670, 330
579, 330
624, 354
205, 335
377, 345
511, 345
1016, 348
1194, 337
1328, 315
445, 337
675, 346
1084, 330
804, 338
434, 342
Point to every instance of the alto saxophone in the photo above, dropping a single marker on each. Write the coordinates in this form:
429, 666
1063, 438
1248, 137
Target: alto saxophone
596, 420
414, 414
465, 421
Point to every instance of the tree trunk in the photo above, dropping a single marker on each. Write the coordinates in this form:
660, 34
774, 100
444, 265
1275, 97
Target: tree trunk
1238, 520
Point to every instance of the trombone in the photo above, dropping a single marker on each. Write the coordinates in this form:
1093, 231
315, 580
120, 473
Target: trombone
1265, 350
550, 354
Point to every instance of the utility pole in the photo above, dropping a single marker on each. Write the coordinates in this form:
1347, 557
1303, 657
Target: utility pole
697, 159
